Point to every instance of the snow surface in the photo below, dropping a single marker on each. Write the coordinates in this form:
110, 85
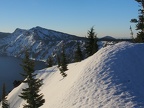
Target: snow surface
111, 78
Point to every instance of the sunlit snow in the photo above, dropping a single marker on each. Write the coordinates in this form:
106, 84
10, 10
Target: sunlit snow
111, 78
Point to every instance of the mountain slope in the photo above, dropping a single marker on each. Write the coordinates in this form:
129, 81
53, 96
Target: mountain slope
3, 35
40, 41
111, 78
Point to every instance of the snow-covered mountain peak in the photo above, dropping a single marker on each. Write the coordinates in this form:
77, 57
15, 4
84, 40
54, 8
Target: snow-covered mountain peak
38, 28
19, 31
40, 41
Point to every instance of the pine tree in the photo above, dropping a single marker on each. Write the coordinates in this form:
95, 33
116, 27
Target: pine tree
140, 23
31, 93
4, 98
50, 61
91, 44
78, 54
63, 60
63, 63
131, 33
62, 72
58, 60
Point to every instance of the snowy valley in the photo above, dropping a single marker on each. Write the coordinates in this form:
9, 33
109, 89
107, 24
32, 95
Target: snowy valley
111, 78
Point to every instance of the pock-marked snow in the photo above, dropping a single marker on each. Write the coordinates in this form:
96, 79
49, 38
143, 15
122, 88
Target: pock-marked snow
111, 78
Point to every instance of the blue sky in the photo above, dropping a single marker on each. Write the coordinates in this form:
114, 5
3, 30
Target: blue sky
109, 17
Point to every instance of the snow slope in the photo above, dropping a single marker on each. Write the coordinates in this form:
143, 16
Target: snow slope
111, 78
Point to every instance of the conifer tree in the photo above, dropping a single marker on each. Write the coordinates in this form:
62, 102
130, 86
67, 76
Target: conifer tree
31, 93
131, 33
91, 44
78, 54
58, 61
63, 60
63, 63
50, 61
4, 98
140, 23
62, 72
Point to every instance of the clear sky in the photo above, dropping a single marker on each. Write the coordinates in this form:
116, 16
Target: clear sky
109, 17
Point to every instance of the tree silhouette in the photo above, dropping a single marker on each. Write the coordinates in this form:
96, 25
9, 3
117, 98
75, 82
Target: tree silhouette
91, 44
63, 63
4, 98
50, 61
31, 93
140, 22
78, 54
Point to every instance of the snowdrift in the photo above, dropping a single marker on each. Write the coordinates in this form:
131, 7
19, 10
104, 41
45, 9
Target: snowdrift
111, 78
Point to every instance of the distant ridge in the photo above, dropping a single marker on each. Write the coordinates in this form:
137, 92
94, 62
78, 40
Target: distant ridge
41, 43
107, 38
